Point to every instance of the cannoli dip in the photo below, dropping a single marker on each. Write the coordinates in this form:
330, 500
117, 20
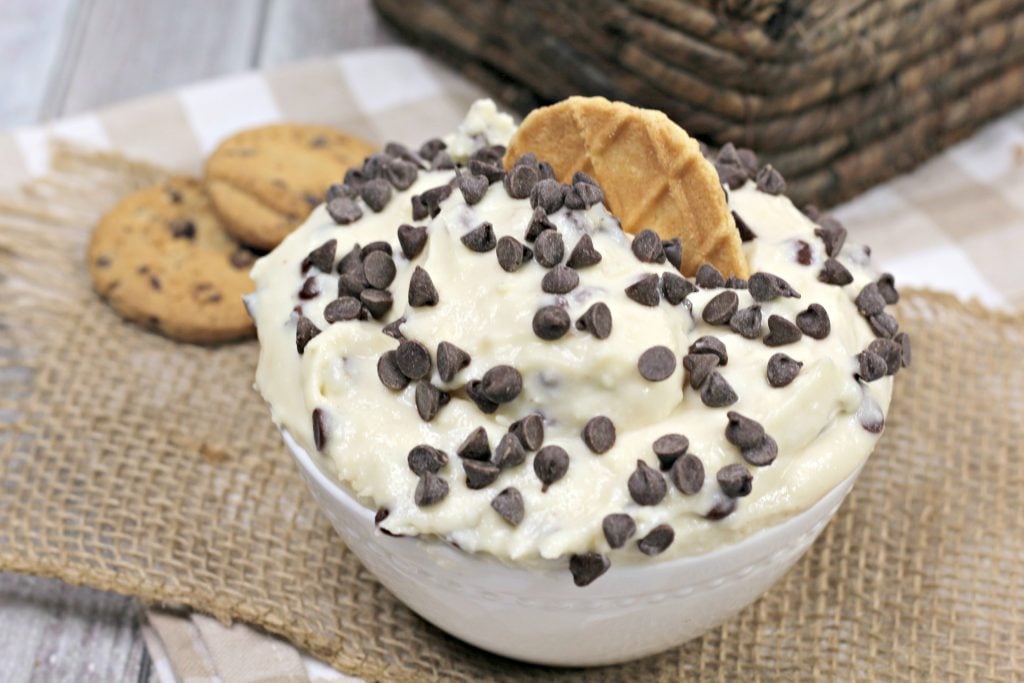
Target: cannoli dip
488, 358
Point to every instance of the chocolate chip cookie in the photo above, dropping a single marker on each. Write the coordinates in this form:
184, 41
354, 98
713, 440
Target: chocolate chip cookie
265, 181
162, 258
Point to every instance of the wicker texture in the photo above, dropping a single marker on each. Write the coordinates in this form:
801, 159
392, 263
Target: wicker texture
131, 463
837, 95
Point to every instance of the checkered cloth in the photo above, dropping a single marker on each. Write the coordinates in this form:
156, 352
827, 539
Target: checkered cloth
954, 224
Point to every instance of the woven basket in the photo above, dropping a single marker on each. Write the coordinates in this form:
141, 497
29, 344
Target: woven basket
838, 94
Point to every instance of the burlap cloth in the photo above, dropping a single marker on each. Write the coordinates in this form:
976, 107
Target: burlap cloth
134, 464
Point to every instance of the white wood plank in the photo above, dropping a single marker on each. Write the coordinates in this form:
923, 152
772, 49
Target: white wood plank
31, 35
53, 633
314, 28
128, 49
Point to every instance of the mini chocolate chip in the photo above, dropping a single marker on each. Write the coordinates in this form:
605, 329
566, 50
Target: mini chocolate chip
431, 490
746, 322
647, 247
379, 269
551, 322
183, 229
657, 540
421, 289
310, 288
413, 359
539, 223
733, 282
394, 329
708, 277
402, 174
770, 181
742, 431
481, 238
475, 446
729, 167
321, 258
887, 288
746, 234
736, 480
675, 288
584, 254
748, 159
903, 339
587, 568
442, 162
429, 400
720, 309
891, 351
722, 508
240, 258
450, 360
597, 320
669, 448
762, 454
501, 384
599, 434
305, 330
782, 370
645, 290
430, 148
479, 474
618, 528
510, 452
548, 195
483, 404
389, 374
376, 194
549, 248
834, 273
709, 344
871, 366
527, 159
349, 191
550, 464
493, 172
380, 516
412, 240
884, 325
432, 199
803, 253
781, 332
319, 428
344, 210
814, 322
377, 301
717, 392
352, 284
673, 249
472, 187
699, 367
646, 485
766, 287
373, 166
419, 208
581, 177
509, 504
378, 245
833, 235
529, 430
352, 262
559, 280
342, 308
583, 196
490, 153
656, 363
869, 301
520, 180
424, 458
687, 474
402, 152
511, 253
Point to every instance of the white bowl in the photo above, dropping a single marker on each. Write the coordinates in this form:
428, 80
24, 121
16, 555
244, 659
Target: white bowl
537, 614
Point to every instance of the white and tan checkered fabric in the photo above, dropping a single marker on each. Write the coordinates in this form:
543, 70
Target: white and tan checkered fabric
956, 224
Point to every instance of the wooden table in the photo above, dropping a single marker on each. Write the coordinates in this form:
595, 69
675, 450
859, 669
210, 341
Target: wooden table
61, 57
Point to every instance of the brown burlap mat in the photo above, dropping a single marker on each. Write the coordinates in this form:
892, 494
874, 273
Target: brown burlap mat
134, 464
